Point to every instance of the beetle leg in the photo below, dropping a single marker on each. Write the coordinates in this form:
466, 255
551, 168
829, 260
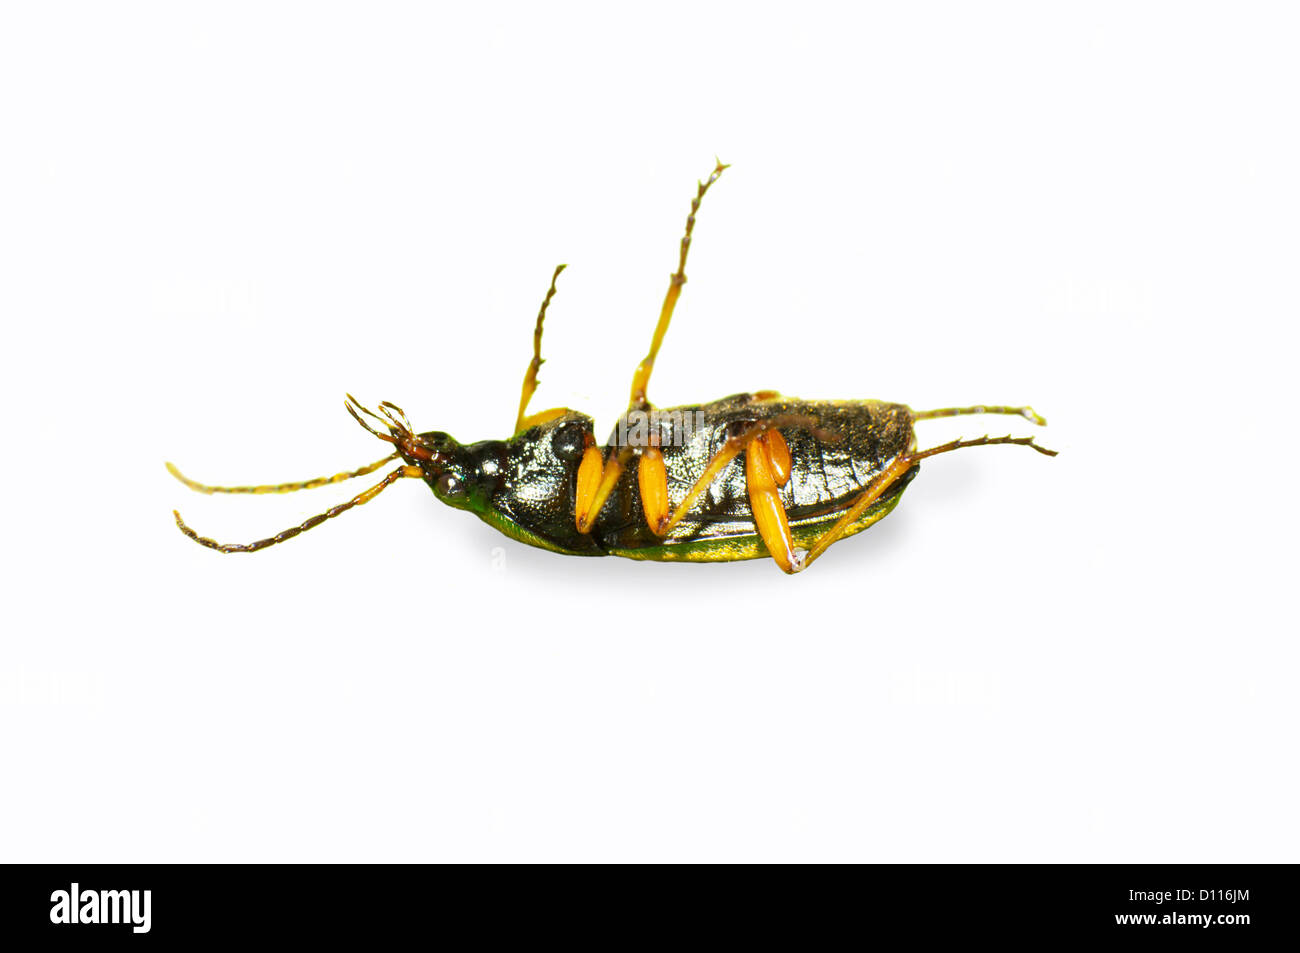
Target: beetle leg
776, 454
652, 483
522, 422
1027, 412
777, 458
641, 379
886, 478
541, 417
597, 477
765, 502
360, 498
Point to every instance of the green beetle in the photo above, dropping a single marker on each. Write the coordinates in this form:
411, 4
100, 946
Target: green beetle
667, 485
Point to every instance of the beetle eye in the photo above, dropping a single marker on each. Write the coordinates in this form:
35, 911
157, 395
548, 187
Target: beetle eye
568, 442
449, 485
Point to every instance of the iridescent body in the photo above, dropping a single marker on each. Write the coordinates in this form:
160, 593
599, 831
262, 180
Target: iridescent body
747, 476
526, 486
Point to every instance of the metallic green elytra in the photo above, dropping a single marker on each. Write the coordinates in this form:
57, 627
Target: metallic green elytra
743, 477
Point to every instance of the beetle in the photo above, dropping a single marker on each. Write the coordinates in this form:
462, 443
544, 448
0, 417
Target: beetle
747, 476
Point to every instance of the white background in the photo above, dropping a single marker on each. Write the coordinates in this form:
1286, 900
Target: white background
216, 219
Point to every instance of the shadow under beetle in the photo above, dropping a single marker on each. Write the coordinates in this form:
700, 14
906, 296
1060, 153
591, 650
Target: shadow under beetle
667, 485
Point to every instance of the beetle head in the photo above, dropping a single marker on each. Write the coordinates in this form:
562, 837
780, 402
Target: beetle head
448, 468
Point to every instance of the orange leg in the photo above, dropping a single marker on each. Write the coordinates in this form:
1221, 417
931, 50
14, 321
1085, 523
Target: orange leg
762, 481
776, 453
776, 459
522, 421
768, 450
886, 478
541, 417
641, 379
597, 477
652, 483
598, 473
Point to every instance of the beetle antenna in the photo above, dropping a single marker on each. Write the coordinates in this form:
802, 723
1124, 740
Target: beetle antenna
353, 405
280, 487
291, 532
388, 409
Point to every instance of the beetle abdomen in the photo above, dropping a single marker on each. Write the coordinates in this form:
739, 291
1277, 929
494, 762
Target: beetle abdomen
855, 441
536, 472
